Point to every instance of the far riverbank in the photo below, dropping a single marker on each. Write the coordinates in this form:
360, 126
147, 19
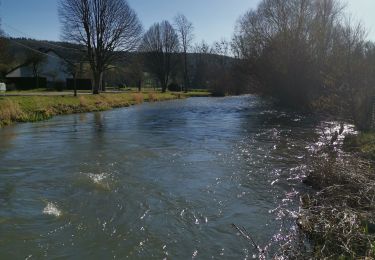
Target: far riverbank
32, 108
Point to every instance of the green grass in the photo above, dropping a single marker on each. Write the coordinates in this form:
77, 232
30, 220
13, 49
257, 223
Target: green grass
364, 143
41, 107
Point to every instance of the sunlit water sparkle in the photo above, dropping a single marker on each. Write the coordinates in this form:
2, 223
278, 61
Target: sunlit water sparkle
156, 181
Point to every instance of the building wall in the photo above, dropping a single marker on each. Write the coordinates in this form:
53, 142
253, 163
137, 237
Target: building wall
54, 69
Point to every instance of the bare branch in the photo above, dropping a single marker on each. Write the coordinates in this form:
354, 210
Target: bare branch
106, 27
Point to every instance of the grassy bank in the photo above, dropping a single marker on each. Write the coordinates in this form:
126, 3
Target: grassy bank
40, 107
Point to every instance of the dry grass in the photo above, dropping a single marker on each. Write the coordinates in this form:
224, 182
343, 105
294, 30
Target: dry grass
83, 102
152, 97
138, 98
9, 112
36, 108
340, 217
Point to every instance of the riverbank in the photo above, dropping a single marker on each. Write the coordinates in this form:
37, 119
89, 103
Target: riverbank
34, 108
338, 216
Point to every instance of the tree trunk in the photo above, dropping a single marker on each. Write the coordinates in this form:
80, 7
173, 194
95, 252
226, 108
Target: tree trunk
186, 77
97, 83
164, 86
37, 81
139, 85
103, 87
95, 90
75, 85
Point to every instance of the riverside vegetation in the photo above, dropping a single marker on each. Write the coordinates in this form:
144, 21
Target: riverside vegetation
36, 108
336, 218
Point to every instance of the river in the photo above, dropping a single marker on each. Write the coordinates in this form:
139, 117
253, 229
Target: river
156, 181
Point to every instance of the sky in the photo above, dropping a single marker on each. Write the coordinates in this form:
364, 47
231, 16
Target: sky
213, 19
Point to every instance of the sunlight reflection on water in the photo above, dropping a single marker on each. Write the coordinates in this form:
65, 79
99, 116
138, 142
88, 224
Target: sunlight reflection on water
162, 180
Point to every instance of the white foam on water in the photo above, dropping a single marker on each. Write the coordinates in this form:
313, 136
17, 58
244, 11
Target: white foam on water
144, 215
97, 178
52, 210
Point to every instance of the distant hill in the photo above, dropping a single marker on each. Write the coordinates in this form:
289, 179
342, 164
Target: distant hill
18, 48
199, 64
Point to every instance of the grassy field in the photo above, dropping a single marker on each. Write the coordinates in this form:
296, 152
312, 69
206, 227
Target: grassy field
42, 107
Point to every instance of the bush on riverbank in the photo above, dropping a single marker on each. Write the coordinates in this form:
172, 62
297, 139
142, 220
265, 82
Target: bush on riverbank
37, 108
339, 217
310, 55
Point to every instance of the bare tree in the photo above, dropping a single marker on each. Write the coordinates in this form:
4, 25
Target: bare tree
106, 28
222, 50
309, 54
185, 29
136, 71
202, 48
219, 72
35, 60
199, 71
352, 69
73, 67
160, 45
288, 43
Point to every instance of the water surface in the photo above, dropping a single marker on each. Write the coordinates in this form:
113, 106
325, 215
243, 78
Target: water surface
163, 180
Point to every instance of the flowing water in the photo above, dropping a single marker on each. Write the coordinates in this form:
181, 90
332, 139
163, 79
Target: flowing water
155, 181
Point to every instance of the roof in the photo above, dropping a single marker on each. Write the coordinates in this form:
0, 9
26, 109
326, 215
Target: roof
19, 66
42, 51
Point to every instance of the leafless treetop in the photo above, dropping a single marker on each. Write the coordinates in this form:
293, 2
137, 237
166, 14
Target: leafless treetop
104, 25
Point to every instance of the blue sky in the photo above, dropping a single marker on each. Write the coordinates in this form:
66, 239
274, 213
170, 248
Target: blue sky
212, 19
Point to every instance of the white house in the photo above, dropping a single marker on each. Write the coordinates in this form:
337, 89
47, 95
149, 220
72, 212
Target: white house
54, 68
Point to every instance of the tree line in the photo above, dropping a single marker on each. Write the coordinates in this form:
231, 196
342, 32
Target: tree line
109, 29
309, 54
108, 37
